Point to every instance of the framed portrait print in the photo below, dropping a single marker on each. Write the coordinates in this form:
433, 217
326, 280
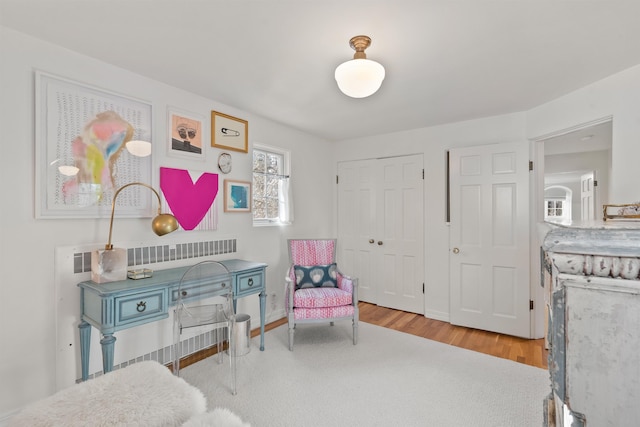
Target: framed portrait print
237, 196
229, 132
186, 134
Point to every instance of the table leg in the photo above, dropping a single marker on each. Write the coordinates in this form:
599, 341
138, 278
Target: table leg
263, 307
108, 343
85, 344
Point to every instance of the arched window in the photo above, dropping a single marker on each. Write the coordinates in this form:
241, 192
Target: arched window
557, 203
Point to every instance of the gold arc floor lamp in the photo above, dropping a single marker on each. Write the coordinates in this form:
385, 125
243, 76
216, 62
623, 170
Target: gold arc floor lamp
110, 264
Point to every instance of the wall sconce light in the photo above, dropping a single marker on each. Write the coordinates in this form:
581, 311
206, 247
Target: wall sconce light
359, 77
110, 264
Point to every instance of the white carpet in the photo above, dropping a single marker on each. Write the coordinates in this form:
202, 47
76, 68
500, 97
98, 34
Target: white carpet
389, 379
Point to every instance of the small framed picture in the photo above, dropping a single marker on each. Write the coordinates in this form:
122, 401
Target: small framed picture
229, 132
237, 196
186, 134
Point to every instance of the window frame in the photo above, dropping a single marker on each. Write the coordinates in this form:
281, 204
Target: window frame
286, 168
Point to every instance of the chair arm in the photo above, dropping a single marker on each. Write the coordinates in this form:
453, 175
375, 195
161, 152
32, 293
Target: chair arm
289, 289
349, 284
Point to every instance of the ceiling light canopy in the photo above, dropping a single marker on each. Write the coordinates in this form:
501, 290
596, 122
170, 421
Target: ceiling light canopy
359, 77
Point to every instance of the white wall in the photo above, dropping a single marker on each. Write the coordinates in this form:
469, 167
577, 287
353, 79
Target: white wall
617, 96
27, 245
597, 161
433, 142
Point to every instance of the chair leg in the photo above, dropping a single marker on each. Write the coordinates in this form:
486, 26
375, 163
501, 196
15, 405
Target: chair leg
232, 360
355, 332
219, 345
177, 346
291, 331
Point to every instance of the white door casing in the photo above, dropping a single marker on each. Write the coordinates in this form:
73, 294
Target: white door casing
489, 240
386, 242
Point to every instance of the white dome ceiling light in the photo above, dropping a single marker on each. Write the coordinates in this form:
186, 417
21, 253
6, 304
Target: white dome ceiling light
359, 77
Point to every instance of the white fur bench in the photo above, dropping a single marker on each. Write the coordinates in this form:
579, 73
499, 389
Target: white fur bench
142, 394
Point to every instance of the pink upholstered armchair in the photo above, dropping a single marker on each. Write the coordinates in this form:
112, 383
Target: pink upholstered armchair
316, 290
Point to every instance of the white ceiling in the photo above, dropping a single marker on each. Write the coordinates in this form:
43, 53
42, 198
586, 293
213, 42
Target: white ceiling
446, 61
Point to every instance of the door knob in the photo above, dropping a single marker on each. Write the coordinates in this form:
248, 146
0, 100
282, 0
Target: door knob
456, 251
379, 242
371, 240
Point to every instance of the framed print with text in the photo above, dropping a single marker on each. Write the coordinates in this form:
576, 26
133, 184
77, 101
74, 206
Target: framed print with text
229, 132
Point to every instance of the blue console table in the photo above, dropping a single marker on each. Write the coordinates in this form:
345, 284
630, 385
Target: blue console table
124, 304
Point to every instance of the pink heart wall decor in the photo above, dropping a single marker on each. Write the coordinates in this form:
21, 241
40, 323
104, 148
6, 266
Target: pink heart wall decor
189, 201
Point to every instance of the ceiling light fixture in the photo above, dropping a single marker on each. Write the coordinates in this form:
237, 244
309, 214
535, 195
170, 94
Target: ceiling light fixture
359, 77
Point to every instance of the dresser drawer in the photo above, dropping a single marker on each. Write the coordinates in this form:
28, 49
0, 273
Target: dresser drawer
250, 282
141, 308
198, 291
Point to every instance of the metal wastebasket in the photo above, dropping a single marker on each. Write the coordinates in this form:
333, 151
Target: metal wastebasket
242, 334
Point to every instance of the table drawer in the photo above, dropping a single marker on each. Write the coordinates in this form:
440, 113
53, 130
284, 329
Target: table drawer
141, 308
251, 282
198, 291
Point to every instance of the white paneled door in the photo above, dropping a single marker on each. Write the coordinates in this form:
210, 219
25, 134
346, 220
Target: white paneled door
381, 229
489, 240
587, 196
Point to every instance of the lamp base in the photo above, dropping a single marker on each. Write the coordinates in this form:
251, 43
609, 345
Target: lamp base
108, 265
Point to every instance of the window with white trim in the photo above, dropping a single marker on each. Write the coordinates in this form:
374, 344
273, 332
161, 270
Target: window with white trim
555, 209
272, 204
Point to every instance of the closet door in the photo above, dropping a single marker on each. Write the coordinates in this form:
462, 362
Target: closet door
381, 229
489, 238
356, 224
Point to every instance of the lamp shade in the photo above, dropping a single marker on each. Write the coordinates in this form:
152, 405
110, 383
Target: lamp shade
359, 78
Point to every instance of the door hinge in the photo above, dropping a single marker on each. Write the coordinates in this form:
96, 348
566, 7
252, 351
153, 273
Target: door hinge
530, 304
423, 288
336, 179
530, 165
595, 183
422, 174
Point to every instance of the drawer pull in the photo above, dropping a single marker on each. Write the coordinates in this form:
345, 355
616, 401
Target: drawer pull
142, 306
250, 281
224, 285
184, 293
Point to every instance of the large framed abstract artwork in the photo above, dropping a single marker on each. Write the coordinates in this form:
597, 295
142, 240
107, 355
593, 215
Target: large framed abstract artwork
82, 151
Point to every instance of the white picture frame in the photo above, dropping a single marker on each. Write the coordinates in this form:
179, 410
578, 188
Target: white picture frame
186, 134
79, 126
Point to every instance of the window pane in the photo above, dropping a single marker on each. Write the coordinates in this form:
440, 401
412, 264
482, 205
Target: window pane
259, 211
273, 164
272, 208
259, 161
258, 186
272, 187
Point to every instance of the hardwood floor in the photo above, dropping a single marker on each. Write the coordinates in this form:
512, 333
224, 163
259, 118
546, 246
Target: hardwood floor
529, 352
